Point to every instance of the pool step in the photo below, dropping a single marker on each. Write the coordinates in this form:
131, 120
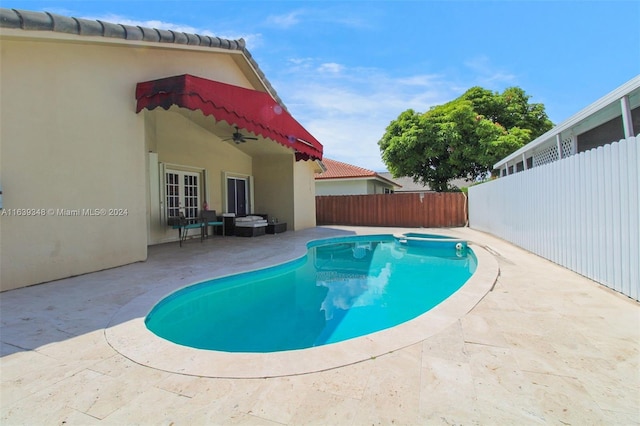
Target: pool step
429, 240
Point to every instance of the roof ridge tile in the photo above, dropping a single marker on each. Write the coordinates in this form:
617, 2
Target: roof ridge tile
9, 18
88, 27
35, 21
63, 24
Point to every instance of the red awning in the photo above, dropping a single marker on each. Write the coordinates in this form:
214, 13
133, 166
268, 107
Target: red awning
249, 109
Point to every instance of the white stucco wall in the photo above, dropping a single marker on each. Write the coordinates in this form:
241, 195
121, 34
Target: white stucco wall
377, 187
341, 187
350, 187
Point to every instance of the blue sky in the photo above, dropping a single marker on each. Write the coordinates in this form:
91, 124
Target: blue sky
346, 69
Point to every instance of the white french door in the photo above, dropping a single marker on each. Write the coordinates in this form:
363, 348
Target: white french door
182, 193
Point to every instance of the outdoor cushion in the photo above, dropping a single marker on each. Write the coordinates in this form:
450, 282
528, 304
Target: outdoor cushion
254, 224
249, 219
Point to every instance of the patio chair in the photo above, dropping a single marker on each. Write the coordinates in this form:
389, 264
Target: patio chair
183, 225
210, 218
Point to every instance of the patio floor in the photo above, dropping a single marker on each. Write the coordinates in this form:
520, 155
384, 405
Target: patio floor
544, 346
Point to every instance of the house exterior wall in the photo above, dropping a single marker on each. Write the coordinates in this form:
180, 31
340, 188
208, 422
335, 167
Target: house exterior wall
274, 181
341, 187
350, 187
612, 130
375, 187
612, 117
304, 194
71, 142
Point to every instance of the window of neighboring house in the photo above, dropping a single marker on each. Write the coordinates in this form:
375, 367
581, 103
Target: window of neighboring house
182, 193
388, 191
530, 163
609, 132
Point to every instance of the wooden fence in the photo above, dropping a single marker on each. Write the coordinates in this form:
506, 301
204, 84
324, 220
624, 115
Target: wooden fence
414, 210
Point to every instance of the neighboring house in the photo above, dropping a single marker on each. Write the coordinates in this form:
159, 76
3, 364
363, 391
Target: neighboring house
108, 130
345, 179
408, 185
614, 117
572, 195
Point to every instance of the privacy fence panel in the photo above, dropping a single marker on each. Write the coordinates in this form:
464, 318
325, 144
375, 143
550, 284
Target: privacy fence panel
402, 210
581, 212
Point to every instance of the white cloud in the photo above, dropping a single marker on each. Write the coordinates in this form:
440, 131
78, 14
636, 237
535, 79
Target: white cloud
425, 80
330, 67
295, 63
348, 111
284, 21
326, 15
59, 11
487, 75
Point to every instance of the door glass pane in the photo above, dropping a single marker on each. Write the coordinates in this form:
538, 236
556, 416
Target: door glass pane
172, 196
191, 196
182, 194
237, 196
241, 196
231, 196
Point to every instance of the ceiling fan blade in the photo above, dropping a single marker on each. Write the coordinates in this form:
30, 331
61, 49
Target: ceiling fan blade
238, 137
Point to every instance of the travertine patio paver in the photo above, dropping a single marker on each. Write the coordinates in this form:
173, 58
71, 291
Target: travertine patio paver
546, 346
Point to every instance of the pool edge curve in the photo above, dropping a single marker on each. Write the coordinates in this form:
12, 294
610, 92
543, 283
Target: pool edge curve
128, 335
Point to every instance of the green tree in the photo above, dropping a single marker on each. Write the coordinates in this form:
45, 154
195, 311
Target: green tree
462, 138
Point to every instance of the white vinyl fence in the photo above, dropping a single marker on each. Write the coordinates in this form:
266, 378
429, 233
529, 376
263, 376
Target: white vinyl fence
581, 212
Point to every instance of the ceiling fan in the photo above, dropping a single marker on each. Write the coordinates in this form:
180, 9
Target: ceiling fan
238, 137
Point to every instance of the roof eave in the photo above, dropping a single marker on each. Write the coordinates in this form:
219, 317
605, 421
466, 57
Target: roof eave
389, 182
352, 178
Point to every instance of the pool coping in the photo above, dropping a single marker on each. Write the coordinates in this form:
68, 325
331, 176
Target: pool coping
129, 336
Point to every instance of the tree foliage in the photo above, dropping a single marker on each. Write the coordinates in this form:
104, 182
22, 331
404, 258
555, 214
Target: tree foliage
463, 138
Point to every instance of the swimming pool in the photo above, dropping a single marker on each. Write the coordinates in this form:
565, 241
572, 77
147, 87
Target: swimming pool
343, 288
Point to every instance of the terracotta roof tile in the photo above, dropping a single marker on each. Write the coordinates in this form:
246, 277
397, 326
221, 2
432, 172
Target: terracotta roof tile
338, 170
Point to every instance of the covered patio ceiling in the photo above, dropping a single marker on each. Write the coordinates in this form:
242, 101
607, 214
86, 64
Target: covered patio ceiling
251, 110
224, 131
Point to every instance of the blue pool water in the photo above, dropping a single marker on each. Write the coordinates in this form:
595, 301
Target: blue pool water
343, 288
